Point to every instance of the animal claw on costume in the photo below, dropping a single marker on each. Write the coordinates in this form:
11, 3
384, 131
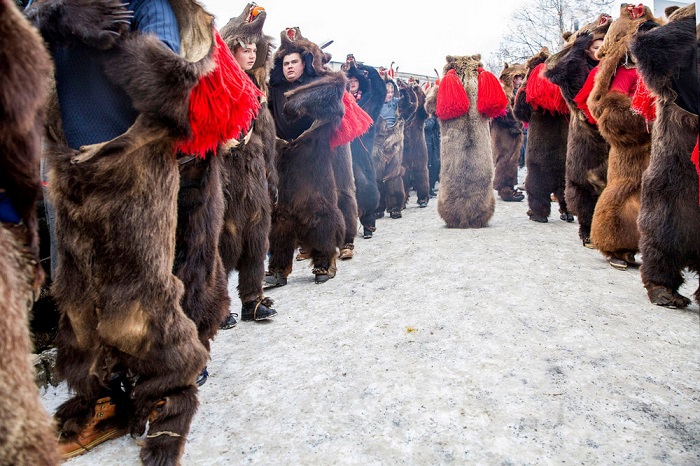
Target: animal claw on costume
125, 21
86, 153
114, 32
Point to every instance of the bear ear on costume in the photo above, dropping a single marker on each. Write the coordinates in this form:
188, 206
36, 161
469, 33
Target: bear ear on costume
567, 35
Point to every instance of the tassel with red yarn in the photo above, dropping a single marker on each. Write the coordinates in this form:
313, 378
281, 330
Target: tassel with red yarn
581, 98
354, 124
491, 99
543, 94
643, 101
222, 105
452, 99
695, 158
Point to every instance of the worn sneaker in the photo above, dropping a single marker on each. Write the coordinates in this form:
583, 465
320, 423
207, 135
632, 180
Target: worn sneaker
229, 322
322, 275
347, 251
273, 279
258, 309
97, 430
202, 377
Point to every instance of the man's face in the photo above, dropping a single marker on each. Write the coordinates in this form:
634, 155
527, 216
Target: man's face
245, 56
517, 81
292, 66
353, 85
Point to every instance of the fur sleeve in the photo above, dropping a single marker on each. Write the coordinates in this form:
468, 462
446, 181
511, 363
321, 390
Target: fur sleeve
571, 71
378, 90
521, 109
322, 99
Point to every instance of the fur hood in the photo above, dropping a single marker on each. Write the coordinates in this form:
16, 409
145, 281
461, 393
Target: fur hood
508, 74
248, 29
292, 41
354, 72
616, 43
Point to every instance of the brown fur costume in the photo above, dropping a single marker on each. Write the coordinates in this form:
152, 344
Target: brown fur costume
27, 436
115, 226
307, 211
507, 138
614, 229
669, 216
466, 199
415, 150
586, 150
387, 155
545, 152
249, 173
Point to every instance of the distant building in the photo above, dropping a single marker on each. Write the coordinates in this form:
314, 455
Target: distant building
422, 78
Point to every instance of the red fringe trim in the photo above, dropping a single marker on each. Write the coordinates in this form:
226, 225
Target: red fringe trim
581, 98
354, 124
452, 99
544, 94
695, 158
222, 105
491, 100
643, 101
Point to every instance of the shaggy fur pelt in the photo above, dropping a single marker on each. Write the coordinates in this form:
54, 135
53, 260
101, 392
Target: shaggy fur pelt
669, 216
507, 137
387, 155
586, 150
466, 199
116, 224
347, 198
249, 172
415, 150
307, 211
614, 228
366, 191
27, 436
545, 152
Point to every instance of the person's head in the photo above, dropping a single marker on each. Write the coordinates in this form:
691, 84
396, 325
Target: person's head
389, 92
517, 81
245, 55
292, 66
353, 85
591, 51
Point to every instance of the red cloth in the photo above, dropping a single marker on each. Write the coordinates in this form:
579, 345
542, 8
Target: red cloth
452, 99
625, 81
581, 98
695, 157
354, 124
543, 94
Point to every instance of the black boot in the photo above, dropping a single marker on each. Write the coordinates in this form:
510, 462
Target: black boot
229, 322
258, 309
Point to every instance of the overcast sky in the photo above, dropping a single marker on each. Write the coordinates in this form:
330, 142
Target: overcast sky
416, 37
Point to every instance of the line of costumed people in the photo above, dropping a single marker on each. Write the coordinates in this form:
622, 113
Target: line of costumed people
177, 153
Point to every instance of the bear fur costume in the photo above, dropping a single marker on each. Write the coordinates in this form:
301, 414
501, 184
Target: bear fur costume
116, 226
545, 152
249, 174
387, 154
586, 150
669, 216
415, 150
27, 435
373, 91
507, 139
466, 199
307, 210
614, 230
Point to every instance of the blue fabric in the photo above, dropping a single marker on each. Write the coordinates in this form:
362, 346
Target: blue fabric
8, 214
93, 109
388, 111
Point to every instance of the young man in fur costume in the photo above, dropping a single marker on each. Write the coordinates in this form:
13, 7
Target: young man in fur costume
370, 95
27, 434
305, 98
669, 216
250, 174
614, 229
507, 138
545, 154
586, 150
126, 348
415, 150
468, 96
387, 153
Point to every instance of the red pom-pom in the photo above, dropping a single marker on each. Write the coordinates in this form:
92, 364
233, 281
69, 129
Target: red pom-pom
491, 100
581, 98
354, 124
543, 93
643, 101
695, 157
222, 105
452, 99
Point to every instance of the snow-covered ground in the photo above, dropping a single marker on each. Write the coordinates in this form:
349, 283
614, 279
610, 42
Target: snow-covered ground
508, 345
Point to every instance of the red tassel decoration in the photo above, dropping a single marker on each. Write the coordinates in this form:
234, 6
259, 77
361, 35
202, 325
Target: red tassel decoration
544, 94
354, 124
695, 158
452, 99
222, 105
582, 96
643, 101
491, 100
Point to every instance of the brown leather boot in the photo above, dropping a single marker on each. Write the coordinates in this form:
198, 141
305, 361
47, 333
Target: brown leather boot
96, 431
